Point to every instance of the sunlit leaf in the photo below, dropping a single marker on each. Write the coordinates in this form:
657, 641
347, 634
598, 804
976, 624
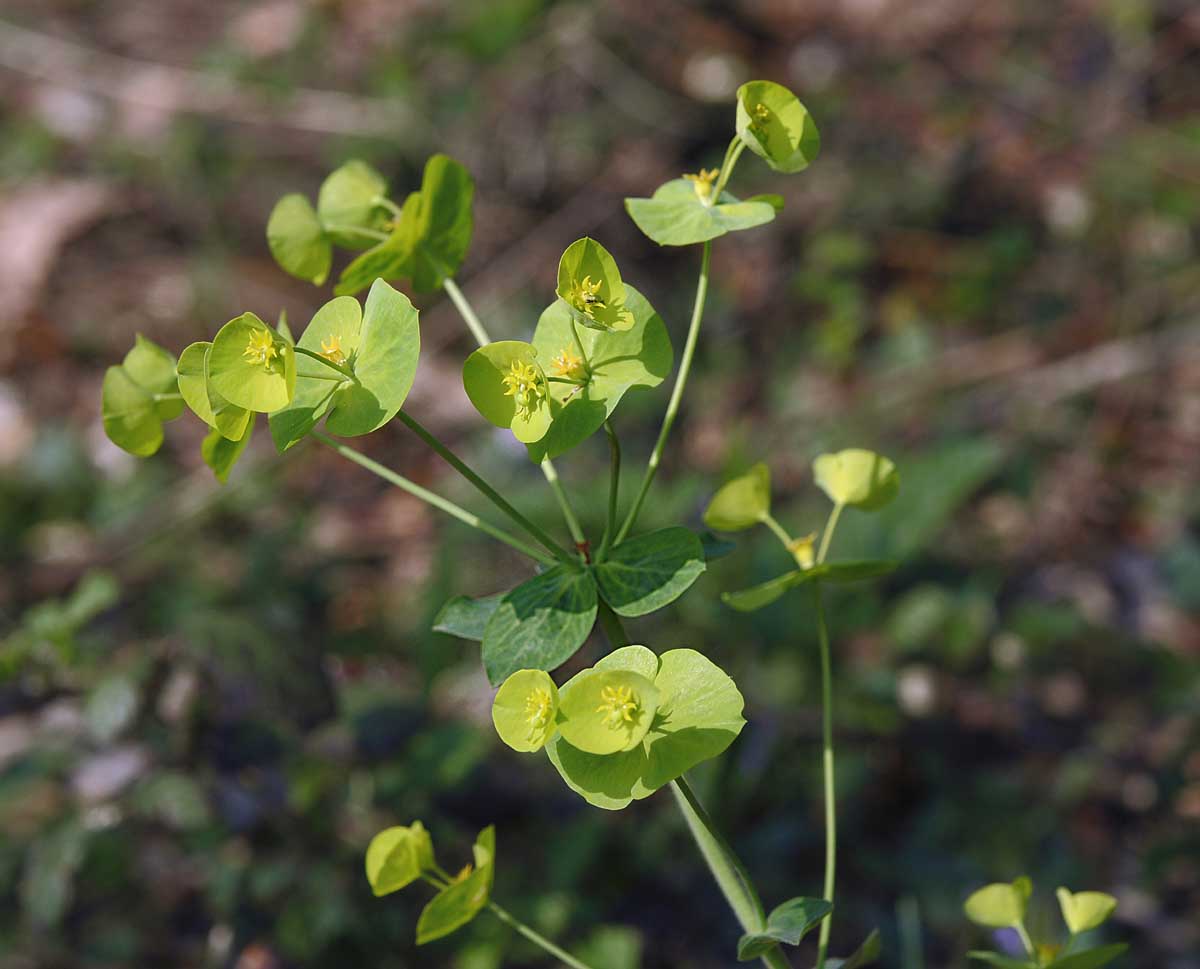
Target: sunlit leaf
741, 503
297, 240
676, 216
773, 124
643, 574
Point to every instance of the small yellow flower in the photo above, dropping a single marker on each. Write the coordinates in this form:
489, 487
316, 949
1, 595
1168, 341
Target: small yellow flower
537, 710
585, 297
762, 114
567, 364
525, 385
703, 182
463, 874
619, 705
331, 350
261, 348
802, 550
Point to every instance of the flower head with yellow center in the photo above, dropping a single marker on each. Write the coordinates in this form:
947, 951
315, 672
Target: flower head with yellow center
332, 351
618, 704
567, 364
538, 707
703, 182
261, 347
762, 114
524, 383
585, 297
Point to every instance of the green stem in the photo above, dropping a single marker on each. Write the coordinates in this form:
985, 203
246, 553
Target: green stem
732, 154
536, 938
827, 535
779, 530
357, 230
344, 370
1025, 939
685, 366
727, 869
474, 324
482, 486
827, 767
384, 202
614, 484
587, 364
434, 499
564, 505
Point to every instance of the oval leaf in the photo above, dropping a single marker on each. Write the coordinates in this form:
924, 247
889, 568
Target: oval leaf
397, 856
607, 710
997, 906
297, 240
1092, 958
590, 284
221, 454
455, 906
465, 617
525, 710
773, 124
676, 215
741, 503
251, 366
506, 384
789, 923
857, 477
650, 571
349, 196
541, 623
1084, 911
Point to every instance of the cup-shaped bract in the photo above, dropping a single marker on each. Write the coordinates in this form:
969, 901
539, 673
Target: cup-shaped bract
251, 366
349, 197
506, 384
741, 503
773, 124
857, 477
1000, 905
228, 420
526, 709
679, 214
607, 711
1084, 911
138, 396
455, 905
298, 241
397, 857
590, 284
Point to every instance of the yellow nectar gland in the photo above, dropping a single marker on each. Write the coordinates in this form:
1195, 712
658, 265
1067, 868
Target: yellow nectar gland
762, 114
524, 384
703, 182
586, 296
619, 705
802, 550
537, 711
261, 348
331, 350
567, 364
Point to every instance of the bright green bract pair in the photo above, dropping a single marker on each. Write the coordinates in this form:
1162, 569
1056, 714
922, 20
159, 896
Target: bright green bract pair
622, 729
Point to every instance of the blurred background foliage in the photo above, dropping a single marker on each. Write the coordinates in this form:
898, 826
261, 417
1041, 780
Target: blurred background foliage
212, 697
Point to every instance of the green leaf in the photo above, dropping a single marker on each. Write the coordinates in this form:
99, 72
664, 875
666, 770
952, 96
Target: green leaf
998, 906
350, 196
1091, 958
221, 454
455, 906
380, 346
741, 503
431, 237
541, 623
465, 617
396, 857
205, 402
590, 284
1084, 911
132, 418
638, 357
789, 922
756, 597
509, 365
856, 477
607, 711
525, 710
676, 215
1004, 962
865, 954
297, 240
774, 125
251, 366
648, 572
699, 716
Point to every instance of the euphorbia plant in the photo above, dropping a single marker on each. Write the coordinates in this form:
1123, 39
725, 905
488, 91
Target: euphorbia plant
640, 718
